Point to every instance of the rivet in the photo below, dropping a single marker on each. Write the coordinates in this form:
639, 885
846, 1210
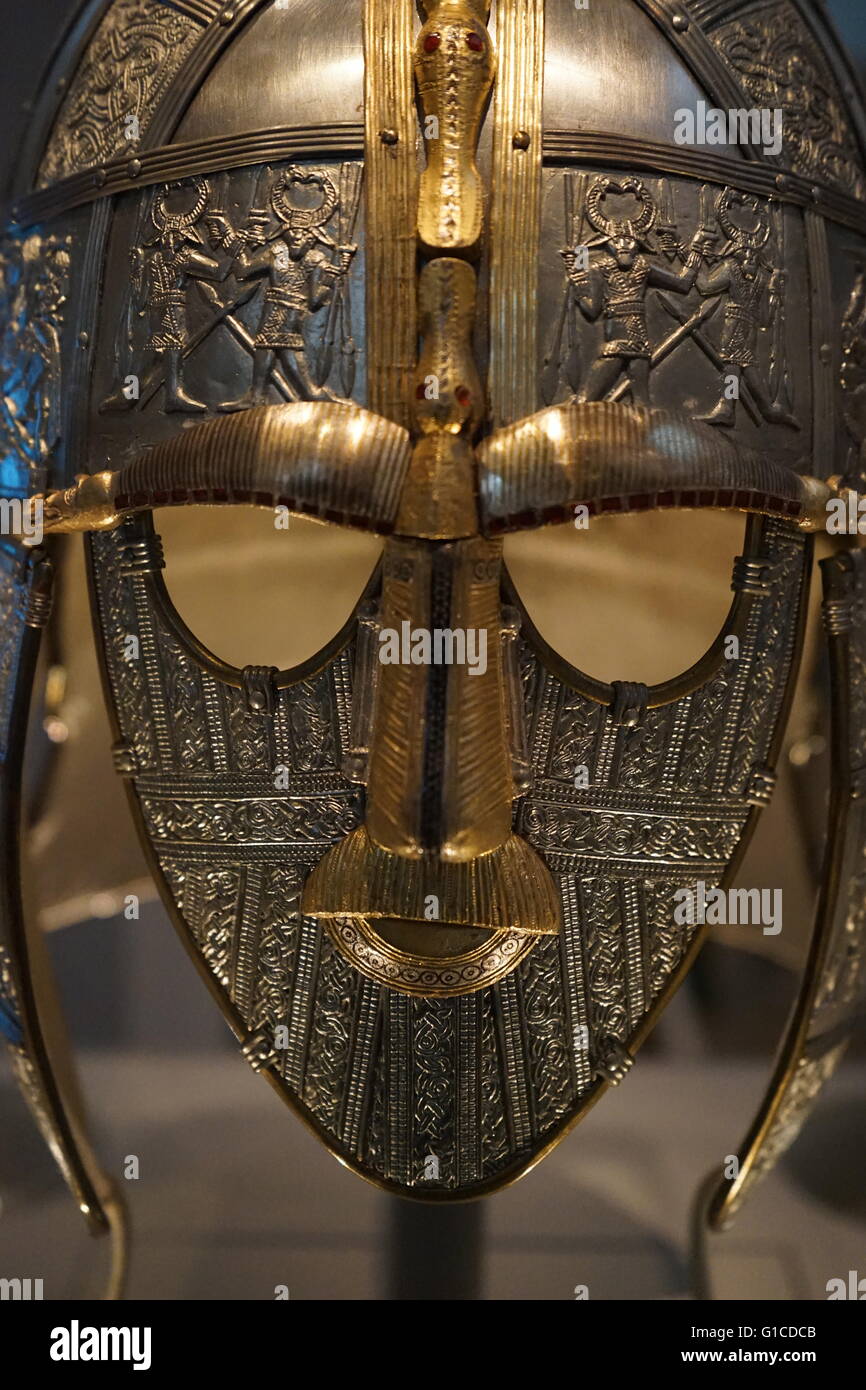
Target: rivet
227, 16
388, 137
681, 23
825, 352
133, 168
99, 178
83, 339
520, 140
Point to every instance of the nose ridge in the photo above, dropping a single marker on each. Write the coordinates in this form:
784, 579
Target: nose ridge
440, 772
440, 784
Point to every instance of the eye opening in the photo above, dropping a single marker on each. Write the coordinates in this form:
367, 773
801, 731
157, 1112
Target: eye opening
642, 597
255, 594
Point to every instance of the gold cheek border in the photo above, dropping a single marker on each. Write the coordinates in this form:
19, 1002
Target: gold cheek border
428, 977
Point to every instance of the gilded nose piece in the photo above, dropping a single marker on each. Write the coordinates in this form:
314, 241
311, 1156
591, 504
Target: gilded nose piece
435, 891
435, 894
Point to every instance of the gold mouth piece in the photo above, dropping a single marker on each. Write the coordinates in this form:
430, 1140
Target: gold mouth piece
508, 890
403, 956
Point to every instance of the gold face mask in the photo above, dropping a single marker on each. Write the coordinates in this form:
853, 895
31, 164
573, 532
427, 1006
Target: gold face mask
433, 874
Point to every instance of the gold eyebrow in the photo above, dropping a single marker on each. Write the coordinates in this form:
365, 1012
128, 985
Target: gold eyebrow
614, 458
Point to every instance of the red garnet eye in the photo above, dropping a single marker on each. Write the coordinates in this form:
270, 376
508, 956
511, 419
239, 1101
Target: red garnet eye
464, 396
431, 43
475, 42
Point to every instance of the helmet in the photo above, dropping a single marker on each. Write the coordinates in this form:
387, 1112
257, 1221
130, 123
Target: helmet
443, 285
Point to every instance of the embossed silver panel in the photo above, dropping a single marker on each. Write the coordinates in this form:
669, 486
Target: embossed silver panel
483, 1082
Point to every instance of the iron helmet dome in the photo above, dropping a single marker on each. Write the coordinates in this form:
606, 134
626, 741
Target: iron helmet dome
239, 276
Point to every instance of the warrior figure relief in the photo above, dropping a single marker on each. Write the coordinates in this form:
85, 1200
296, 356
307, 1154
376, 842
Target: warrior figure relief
737, 280
302, 278
616, 287
160, 280
748, 280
